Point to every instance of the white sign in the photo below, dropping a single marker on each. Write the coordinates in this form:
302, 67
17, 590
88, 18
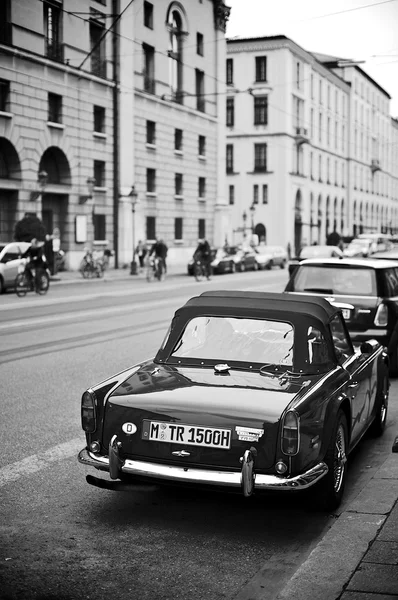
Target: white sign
81, 229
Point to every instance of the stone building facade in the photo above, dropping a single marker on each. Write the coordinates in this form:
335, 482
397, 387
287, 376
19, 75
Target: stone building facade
309, 146
111, 124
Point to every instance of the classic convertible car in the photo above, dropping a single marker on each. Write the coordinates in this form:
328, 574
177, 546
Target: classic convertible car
248, 392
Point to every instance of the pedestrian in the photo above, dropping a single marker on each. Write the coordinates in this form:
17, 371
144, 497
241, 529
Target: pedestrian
141, 251
107, 256
49, 253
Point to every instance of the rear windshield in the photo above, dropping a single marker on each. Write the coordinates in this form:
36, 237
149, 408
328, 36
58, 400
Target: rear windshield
335, 280
243, 340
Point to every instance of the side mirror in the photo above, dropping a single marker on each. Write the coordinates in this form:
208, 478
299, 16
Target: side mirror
366, 348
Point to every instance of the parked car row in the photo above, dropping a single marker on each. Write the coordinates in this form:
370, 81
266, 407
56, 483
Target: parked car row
238, 258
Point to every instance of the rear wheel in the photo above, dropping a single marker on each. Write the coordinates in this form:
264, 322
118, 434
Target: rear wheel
283, 264
2, 286
379, 423
22, 285
42, 283
198, 271
329, 491
269, 265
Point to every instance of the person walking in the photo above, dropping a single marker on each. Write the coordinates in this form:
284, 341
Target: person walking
141, 251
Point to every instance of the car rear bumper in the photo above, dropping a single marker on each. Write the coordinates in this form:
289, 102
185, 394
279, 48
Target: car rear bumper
166, 473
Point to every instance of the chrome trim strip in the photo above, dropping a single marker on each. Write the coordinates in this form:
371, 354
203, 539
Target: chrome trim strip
369, 333
216, 478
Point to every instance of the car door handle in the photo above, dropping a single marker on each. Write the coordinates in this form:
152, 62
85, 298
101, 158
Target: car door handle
354, 384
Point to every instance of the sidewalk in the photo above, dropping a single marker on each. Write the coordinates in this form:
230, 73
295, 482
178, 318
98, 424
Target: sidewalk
113, 275
358, 557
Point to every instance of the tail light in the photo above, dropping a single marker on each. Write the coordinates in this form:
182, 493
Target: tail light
290, 433
381, 318
89, 416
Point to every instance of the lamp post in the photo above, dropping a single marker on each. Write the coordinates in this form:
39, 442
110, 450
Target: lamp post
134, 199
244, 219
252, 211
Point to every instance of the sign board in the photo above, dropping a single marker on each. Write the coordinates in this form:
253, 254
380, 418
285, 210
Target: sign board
81, 229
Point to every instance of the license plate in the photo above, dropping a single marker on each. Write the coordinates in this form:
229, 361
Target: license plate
192, 435
346, 314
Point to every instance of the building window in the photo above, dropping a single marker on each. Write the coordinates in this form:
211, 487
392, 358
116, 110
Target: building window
178, 140
148, 14
199, 44
178, 228
260, 157
99, 222
298, 75
151, 180
4, 94
52, 31
320, 168
5, 20
230, 71
99, 173
265, 194
178, 189
149, 68
312, 165
230, 112
202, 187
202, 145
261, 68
151, 132
320, 91
54, 108
97, 48
176, 56
232, 194
320, 128
200, 90
201, 229
151, 228
99, 119
261, 110
255, 194
230, 158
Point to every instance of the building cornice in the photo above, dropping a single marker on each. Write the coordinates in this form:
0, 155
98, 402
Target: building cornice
59, 66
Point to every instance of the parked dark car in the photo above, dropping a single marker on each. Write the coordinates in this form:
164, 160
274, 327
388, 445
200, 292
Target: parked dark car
315, 251
248, 392
369, 289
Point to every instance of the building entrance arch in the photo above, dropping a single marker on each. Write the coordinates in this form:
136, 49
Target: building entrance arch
261, 233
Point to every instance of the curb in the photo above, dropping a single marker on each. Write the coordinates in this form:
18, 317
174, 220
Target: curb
332, 563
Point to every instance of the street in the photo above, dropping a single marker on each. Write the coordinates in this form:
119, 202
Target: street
63, 539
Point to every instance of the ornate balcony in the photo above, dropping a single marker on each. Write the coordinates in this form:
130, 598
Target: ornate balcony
302, 136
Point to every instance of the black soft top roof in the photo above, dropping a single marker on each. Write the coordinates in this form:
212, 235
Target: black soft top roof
301, 310
265, 301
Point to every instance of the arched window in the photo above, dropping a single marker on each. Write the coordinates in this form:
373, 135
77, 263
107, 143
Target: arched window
175, 55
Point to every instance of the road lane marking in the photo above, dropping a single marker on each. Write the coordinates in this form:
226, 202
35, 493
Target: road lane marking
37, 462
48, 301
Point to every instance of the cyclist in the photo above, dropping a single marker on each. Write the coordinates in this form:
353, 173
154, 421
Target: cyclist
203, 253
36, 259
159, 249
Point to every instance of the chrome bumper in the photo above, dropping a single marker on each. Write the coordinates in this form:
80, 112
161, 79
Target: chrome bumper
205, 477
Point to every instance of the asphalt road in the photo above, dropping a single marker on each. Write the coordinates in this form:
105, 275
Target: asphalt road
63, 539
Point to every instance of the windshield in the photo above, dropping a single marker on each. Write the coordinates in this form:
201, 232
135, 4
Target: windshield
312, 251
242, 340
335, 280
2, 246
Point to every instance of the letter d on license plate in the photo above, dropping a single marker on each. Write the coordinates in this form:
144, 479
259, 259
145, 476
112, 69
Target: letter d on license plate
212, 437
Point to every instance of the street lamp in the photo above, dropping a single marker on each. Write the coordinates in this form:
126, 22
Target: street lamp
134, 199
244, 219
252, 211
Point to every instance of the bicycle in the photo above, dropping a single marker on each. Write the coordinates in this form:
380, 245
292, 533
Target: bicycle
201, 270
91, 267
155, 269
32, 280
